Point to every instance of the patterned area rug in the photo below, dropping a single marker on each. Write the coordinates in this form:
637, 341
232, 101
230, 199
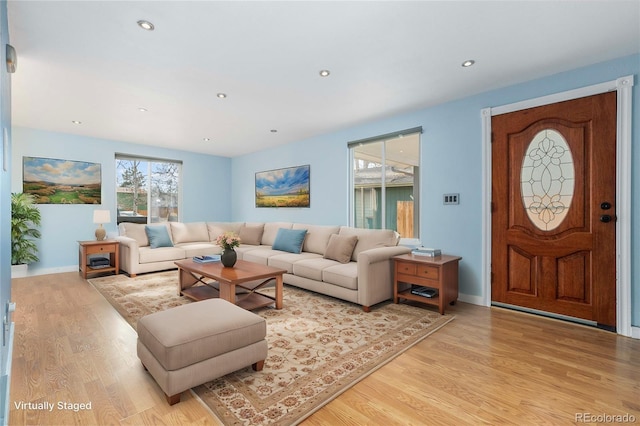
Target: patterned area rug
318, 347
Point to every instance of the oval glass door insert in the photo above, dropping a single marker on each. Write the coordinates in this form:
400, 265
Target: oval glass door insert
547, 179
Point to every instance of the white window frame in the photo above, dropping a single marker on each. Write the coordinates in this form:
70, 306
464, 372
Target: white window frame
384, 139
121, 156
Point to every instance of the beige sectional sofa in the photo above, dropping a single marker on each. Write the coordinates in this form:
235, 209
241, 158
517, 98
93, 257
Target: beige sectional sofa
347, 263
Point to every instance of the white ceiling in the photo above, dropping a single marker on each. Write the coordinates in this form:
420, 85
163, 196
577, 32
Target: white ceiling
89, 61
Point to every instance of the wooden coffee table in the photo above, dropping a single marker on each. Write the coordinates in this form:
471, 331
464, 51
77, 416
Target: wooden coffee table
217, 281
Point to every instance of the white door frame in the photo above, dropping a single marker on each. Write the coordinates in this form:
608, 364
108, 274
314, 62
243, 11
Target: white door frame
623, 86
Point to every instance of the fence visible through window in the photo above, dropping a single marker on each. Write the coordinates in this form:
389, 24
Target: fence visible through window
385, 182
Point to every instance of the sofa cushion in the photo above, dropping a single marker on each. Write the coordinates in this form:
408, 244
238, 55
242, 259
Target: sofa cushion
286, 260
199, 249
251, 234
135, 231
260, 255
289, 240
370, 238
271, 231
312, 268
189, 232
218, 228
343, 275
161, 254
158, 236
245, 248
317, 237
340, 247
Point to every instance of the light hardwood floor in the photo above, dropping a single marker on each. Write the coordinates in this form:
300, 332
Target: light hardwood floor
488, 366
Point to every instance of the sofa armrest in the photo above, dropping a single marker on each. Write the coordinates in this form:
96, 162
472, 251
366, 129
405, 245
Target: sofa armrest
129, 254
127, 241
375, 274
380, 254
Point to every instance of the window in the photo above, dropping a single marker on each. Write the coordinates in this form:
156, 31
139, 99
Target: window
384, 182
147, 189
547, 178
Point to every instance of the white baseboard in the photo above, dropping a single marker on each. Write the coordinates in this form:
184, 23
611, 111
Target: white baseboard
635, 332
31, 272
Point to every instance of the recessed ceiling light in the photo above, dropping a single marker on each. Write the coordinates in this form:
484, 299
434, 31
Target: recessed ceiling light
146, 25
468, 63
221, 95
324, 73
76, 122
206, 139
142, 109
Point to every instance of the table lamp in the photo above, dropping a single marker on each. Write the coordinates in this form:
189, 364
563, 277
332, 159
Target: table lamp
100, 217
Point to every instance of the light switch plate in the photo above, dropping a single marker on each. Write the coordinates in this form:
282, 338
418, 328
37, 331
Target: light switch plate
449, 199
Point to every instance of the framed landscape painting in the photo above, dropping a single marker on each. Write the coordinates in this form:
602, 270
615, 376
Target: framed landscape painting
54, 181
288, 187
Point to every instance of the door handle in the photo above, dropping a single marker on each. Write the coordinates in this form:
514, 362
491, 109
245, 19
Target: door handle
605, 205
606, 218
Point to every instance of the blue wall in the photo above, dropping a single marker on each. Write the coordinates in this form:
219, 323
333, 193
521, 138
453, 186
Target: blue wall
451, 158
64, 225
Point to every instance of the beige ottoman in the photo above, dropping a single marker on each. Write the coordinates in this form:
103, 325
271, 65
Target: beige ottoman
195, 343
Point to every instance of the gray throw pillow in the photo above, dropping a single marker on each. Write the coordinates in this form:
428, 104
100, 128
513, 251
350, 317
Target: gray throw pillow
340, 247
251, 235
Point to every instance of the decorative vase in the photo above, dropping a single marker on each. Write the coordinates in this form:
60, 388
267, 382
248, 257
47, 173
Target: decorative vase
228, 257
19, 271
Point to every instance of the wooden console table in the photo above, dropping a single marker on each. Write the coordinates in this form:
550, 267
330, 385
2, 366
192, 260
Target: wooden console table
439, 273
87, 248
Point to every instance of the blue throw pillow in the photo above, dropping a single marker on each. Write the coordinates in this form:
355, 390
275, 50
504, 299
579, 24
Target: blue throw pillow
289, 240
158, 236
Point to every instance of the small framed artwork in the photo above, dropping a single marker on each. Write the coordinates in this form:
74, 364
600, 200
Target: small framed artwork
288, 187
54, 181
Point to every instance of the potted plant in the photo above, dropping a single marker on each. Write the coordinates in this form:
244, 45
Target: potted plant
25, 220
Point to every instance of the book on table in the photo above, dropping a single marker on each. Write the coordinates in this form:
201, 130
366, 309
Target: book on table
425, 251
99, 262
424, 291
207, 258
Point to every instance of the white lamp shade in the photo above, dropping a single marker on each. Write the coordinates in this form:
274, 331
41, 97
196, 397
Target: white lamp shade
101, 216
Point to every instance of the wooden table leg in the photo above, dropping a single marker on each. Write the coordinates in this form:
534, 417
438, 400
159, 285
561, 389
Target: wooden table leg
82, 261
186, 279
228, 292
279, 290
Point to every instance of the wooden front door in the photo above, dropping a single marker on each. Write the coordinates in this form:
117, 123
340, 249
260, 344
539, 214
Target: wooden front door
553, 208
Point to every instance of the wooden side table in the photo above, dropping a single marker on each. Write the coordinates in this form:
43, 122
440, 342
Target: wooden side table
439, 273
87, 248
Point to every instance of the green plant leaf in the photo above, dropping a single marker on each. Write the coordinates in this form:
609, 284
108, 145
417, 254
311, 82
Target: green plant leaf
25, 220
